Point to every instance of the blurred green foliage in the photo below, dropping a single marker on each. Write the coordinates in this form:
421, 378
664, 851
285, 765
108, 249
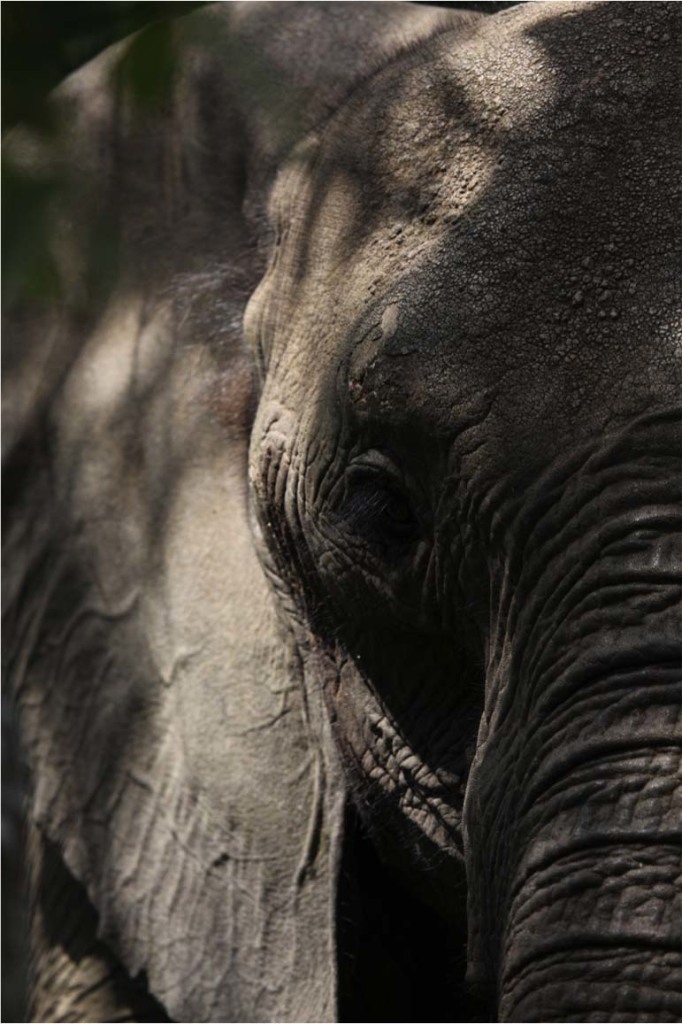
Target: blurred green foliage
51, 205
41, 44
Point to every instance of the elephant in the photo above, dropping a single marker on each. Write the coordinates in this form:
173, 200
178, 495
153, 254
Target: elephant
342, 521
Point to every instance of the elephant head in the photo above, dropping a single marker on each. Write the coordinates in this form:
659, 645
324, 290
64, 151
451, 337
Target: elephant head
350, 517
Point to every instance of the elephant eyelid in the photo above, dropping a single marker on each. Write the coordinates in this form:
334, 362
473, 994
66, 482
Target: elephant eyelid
379, 461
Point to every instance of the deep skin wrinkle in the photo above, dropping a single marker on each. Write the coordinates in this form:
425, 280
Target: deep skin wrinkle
456, 307
344, 634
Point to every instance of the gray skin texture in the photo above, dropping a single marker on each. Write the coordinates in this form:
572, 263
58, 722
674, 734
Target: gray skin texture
360, 486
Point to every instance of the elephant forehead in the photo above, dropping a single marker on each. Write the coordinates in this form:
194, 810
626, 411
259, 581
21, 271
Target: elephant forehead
425, 141
483, 218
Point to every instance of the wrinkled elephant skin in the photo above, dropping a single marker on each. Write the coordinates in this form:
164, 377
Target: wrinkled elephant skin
344, 552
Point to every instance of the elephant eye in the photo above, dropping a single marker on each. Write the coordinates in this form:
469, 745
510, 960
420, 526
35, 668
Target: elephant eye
377, 509
398, 512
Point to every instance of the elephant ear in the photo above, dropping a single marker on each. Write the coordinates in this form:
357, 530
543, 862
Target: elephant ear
178, 760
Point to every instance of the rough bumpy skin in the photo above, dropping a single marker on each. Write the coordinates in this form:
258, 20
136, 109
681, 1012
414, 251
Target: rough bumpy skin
410, 552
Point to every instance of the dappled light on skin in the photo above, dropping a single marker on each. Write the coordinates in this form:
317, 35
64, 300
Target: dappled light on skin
515, 83
377, 219
123, 359
404, 554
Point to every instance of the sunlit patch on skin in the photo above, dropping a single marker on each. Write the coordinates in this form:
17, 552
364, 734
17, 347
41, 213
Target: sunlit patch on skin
124, 355
435, 154
511, 83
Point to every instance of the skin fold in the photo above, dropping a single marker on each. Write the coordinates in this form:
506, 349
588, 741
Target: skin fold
343, 553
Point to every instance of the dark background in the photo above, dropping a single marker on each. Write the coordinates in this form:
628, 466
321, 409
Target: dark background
41, 44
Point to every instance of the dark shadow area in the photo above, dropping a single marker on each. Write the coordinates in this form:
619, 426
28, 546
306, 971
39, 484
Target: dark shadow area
397, 960
14, 909
72, 955
482, 8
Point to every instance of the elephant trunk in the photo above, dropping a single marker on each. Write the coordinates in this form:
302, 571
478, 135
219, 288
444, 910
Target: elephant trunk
591, 930
574, 837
